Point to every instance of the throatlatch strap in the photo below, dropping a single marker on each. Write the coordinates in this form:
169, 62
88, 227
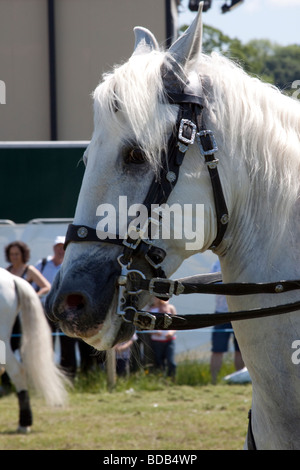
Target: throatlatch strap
206, 284
205, 320
250, 437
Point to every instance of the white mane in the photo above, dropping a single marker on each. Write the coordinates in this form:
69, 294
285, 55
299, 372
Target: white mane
136, 88
256, 126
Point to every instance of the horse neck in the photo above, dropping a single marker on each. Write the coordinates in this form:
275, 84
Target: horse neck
261, 245
258, 247
254, 264
257, 130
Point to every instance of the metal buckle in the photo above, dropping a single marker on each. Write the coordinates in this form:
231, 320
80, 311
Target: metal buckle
124, 267
133, 246
121, 296
213, 163
214, 148
132, 292
124, 313
167, 320
138, 321
155, 266
192, 125
137, 240
122, 284
164, 281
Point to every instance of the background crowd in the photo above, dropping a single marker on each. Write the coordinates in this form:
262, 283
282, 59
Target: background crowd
154, 350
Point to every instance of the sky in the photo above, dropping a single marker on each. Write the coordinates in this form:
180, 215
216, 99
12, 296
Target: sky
276, 20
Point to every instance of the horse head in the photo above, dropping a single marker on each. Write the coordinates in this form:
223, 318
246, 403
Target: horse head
135, 114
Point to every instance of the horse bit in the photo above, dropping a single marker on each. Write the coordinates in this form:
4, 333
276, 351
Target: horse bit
189, 128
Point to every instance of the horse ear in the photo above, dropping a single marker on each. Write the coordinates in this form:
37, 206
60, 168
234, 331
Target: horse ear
188, 46
144, 39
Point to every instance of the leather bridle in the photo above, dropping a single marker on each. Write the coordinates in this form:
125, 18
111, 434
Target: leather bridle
189, 129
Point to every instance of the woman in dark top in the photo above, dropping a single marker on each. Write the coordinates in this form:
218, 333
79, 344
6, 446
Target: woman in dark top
17, 254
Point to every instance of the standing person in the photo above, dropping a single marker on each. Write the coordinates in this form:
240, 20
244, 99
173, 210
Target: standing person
50, 266
220, 339
163, 341
123, 353
17, 253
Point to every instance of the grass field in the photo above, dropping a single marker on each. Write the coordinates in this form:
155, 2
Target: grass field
142, 413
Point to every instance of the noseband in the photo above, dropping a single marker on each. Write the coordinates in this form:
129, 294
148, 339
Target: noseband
188, 130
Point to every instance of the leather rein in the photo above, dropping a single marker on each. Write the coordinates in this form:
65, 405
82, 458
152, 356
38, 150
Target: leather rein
189, 129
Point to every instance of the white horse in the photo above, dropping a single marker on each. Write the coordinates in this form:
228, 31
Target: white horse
37, 367
257, 130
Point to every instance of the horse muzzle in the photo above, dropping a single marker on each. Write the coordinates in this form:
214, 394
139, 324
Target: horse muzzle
84, 304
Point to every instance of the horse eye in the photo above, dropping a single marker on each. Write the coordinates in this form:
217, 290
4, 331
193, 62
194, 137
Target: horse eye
135, 156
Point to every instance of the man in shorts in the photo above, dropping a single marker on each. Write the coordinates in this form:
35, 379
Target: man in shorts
220, 338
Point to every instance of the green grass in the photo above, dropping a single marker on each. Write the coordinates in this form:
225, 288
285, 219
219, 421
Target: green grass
189, 372
144, 412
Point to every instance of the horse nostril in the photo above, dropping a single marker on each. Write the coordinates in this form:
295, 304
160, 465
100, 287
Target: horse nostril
74, 301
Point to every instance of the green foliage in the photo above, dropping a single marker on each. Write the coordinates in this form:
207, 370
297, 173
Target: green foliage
284, 65
189, 372
195, 373
269, 61
92, 382
214, 40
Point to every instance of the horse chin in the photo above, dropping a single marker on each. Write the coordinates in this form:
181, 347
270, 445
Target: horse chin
113, 331
87, 310
102, 336
107, 337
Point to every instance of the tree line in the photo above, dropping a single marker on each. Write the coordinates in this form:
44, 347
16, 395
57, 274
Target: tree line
273, 63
